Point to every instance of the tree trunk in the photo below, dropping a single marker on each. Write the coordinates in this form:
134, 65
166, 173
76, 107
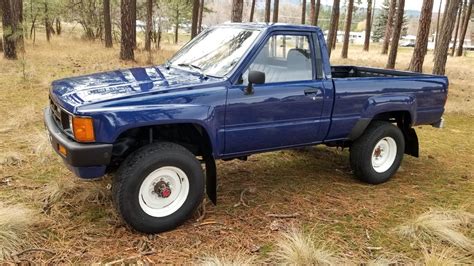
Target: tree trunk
312, 12
46, 22
1, 44
149, 24
17, 13
133, 10
368, 25
158, 39
463, 16
333, 26
397, 29
126, 47
10, 24
458, 20
33, 29
438, 20
237, 8
51, 28
58, 26
334, 41
422, 36
345, 45
201, 11
389, 26
107, 24
441, 52
316, 12
276, 7
176, 26
303, 12
467, 18
267, 10
252, 10
195, 18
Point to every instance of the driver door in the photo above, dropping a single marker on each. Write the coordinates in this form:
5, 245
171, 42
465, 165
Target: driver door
284, 111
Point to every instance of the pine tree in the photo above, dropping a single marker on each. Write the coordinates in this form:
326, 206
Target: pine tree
446, 32
465, 24
276, 8
149, 24
126, 47
345, 45
381, 22
368, 25
389, 26
303, 12
195, 18
252, 10
267, 10
333, 25
107, 24
396, 32
237, 7
421, 46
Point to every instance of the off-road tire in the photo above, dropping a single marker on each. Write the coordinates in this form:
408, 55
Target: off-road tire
134, 170
361, 152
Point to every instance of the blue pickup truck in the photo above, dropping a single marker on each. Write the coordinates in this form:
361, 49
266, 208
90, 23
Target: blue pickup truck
233, 91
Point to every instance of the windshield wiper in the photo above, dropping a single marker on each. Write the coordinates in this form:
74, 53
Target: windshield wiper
198, 68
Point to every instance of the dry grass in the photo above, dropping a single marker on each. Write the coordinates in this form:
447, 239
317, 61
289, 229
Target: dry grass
442, 257
298, 248
15, 223
441, 225
382, 261
229, 259
11, 158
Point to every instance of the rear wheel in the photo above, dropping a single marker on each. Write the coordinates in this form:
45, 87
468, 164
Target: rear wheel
378, 153
158, 187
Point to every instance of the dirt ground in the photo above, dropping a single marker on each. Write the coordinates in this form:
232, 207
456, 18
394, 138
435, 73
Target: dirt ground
57, 218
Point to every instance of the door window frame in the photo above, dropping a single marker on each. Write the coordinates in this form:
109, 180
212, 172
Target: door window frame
266, 39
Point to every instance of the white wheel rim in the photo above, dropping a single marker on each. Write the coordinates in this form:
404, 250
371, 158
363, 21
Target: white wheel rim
384, 154
163, 191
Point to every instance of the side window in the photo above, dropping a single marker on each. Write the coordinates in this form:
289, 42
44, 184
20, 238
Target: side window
284, 58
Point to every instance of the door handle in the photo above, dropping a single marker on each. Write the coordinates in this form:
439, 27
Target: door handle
311, 91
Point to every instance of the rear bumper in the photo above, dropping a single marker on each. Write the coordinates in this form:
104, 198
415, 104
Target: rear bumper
84, 160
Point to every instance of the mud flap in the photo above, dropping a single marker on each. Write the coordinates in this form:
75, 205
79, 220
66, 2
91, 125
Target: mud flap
411, 142
211, 178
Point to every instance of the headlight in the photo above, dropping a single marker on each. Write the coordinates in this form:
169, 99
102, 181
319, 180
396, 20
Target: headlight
83, 129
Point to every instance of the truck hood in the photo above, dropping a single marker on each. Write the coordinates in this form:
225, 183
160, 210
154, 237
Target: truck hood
78, 91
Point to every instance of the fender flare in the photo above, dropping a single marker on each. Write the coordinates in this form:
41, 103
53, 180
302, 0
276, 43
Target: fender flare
377, 105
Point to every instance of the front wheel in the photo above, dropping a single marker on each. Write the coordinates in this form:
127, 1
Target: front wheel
158, 187
378, 153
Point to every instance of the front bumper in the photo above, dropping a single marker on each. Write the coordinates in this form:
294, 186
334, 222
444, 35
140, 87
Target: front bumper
84, 160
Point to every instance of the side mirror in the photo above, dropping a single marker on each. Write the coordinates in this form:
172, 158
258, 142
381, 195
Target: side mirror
255, 77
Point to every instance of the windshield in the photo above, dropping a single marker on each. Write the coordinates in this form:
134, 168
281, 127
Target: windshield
215, 52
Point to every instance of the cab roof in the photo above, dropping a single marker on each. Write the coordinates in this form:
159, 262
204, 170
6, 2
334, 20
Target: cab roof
267, 26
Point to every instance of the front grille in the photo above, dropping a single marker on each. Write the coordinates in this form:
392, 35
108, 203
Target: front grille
61, 117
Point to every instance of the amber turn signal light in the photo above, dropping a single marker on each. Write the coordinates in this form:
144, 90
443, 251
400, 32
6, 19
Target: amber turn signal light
62, 150
83, 128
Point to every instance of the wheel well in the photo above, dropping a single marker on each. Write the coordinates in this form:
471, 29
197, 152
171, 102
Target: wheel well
404, 122
192, 136
402, 118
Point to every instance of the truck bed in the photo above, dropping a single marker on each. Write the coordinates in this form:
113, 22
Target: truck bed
368, 72
358, 90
